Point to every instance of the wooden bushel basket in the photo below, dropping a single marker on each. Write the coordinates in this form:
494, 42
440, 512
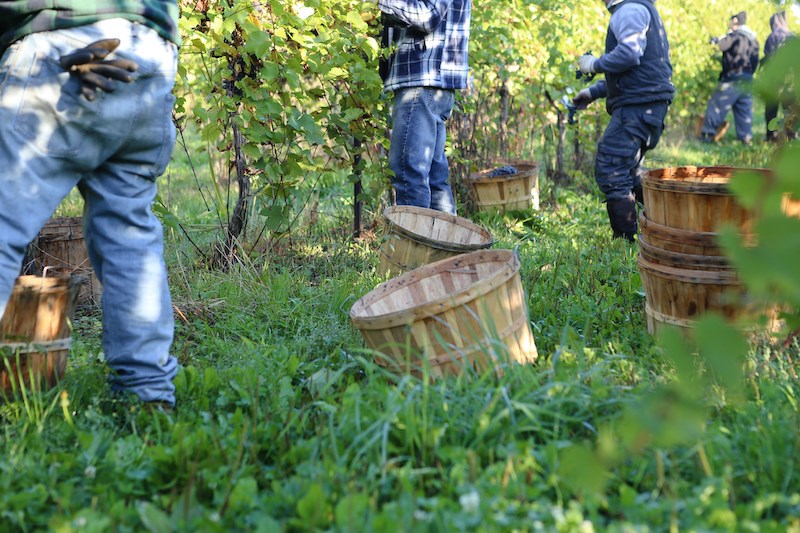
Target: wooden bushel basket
678, 296
415, 236
695, 199
509, 192
684, 272
35, 333
60, 248
464, 311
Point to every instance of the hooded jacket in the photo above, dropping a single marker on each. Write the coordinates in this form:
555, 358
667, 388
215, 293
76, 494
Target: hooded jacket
780, 32
739, 54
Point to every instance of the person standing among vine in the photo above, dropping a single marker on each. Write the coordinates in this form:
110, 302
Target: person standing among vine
786, 98
429, 64
86, 102
733, 92
638, 91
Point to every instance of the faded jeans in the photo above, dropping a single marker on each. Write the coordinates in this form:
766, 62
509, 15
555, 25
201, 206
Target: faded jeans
113, 148
416, 152
730, 95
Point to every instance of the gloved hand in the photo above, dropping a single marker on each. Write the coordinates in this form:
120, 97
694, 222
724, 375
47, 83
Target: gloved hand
94, 71
586, 63
713, 40
582, 99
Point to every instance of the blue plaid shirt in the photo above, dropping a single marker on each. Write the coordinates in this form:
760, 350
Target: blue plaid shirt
432, 47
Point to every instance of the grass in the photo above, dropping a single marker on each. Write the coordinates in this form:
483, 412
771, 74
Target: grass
285, 423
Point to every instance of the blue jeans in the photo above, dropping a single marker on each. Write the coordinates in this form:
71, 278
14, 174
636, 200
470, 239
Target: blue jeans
416, 153
730, 95
51, 140
631, 132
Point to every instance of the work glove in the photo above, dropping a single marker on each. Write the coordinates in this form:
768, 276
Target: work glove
94, 71
582, 99
713, 40
586, 63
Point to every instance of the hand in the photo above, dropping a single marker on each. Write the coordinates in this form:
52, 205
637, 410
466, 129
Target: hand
94, 71
713, 40
586, 63
582, 99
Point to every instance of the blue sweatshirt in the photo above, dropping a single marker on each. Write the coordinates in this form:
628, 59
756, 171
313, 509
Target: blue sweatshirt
636, 62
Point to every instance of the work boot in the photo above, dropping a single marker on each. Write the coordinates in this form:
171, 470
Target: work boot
622, 216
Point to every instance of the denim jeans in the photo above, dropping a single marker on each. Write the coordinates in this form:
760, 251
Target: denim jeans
632, 131
416, 152
113, 148
730, 95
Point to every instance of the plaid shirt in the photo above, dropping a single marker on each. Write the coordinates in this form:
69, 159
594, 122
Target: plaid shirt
432, 47
21, 17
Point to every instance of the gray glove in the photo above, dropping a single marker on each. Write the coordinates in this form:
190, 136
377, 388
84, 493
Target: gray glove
586, 63
94, 71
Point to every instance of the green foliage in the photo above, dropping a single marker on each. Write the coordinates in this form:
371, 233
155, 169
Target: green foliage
300, 84
284, 422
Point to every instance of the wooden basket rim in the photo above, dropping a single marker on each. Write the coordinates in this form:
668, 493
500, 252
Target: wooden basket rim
445, 303
433, 213
704, 277
689, 179
47, 284
684, 236
656, 255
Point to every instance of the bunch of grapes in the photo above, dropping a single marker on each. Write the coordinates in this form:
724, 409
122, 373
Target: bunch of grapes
507, 170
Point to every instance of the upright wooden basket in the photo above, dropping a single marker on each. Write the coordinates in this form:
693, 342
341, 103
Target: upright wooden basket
415, 236
35, 333
464, 311
510, 192
60, 248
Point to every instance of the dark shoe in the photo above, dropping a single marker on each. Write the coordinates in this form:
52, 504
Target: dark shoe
706, 138
622, 216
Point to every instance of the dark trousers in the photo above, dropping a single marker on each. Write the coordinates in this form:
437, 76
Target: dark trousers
632, 131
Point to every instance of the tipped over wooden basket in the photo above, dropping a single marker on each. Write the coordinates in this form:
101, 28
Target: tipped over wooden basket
508, 192
415, 236
465, 311
35, 333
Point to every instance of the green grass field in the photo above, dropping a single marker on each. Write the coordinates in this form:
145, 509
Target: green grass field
284, 422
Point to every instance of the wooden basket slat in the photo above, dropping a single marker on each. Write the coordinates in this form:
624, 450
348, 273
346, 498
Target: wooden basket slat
35, 332
415, 236
447, 313
60, 249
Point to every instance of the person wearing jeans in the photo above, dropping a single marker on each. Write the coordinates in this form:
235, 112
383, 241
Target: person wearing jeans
85, 101
428, 65
733, 92
638, 90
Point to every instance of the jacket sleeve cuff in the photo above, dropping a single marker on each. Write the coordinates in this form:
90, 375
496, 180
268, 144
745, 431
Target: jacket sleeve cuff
598, 90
